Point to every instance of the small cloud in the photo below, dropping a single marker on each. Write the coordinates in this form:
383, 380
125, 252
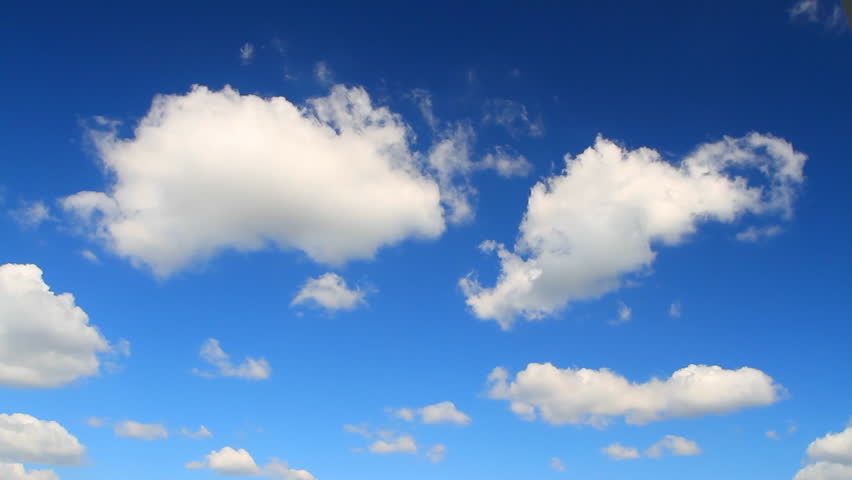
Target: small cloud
323, 73
362, 430
250, 369
227, 461
443, 412
423, 99
624, 314
616, 451
400, 444
512, 116
31, 215
675, 310
122, 347
437, 453
557, 464
202, 432
141, 431
506, 164
247, 53
97, 422
772, 434
811, 11
678, 446
330, 292
753, 234
515, 73
90, 256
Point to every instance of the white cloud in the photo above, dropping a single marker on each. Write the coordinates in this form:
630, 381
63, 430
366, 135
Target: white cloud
586, 396
250, 369
400, 444
808, 9
322, 72
26, 439
195, 465
557, 464
229, 461
772, 434
831, 17
506, 164
31, 214
587, 227
141, 431
833, 447
442, 412
753, 234
512, 116
675, 310
215, 170
362, 430
330, 292
423, 99
624, 314
678, 446
47, 340
202, 432
825, 471
279, 469
617, 451
16, 471
247, 53
437, 453
97, 422
90, 256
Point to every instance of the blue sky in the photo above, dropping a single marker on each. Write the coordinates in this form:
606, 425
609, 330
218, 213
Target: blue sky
380, 241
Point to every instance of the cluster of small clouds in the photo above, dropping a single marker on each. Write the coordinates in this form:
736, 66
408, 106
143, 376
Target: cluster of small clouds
670, 444
250, 369
26, 439
146, 431
814, 11
594, 397
829, 458
239, 462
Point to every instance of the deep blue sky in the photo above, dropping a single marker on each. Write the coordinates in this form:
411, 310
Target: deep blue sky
667, 75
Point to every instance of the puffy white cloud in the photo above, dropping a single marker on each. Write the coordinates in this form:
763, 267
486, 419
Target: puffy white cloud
214, 170
228, 461
512, 116
247, 53
141, 431
330, 292
557, 464
753, 234
16, 471
24, 438
678, 446
825, 471
624, 314
279, 469
617, 451
202, 432
31, 214
250, 369
45, 338
833, 447
587, 396
442, 412
597, 221
437, 453
400, 444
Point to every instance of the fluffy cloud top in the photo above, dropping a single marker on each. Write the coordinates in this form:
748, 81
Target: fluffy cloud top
228, 461
24, 438
141, 431
598, 220
442, 412
45, 338
678, 446
616, 451
215, 170
250, 369
202, 432
586, 396
330, 292
16, 471
280, 470
400, 444
831, 456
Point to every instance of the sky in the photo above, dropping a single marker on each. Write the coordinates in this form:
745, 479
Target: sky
385, 240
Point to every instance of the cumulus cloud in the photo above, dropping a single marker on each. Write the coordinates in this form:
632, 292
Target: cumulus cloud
216, 170
833, 447
587, 396
141, 431
47, 339
250, 369
586, 228
442, 412
247, 53
675, 445
399, 444
32, 214
16, 471
330, 292
753, 234
557, 464
825, 471
617, 451
512, 116
437, 453
26, 439
228, 461
202, 432
279, 469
